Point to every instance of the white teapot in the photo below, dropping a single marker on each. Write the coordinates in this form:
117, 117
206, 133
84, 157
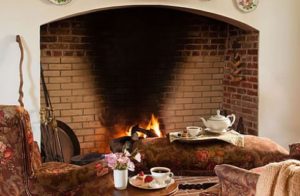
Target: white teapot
219, 122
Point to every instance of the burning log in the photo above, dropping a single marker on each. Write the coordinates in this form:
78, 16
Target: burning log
126, 142
117, 145
148, 133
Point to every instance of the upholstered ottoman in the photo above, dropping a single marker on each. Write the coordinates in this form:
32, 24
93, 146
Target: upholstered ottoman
201, 158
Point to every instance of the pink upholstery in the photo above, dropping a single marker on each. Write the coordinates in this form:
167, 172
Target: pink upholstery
237, 181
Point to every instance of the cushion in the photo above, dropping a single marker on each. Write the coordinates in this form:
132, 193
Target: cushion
201, 158
235, 181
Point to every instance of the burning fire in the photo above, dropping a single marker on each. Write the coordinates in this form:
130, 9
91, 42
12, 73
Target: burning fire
153, 125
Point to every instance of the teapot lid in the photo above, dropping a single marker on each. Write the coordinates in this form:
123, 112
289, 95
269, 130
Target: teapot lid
218, 117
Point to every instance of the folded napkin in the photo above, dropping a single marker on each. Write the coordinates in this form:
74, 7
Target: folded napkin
231, 137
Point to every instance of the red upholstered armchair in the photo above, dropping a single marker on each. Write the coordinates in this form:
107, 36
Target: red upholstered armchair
21, 170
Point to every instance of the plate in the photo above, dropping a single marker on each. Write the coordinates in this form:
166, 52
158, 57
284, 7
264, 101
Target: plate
146, 185
60, 2
247, 5
215, 131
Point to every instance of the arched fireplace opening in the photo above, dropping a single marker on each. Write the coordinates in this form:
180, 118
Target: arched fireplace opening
110, 70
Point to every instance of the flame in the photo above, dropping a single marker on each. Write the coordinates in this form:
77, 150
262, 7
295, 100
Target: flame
121, 130
154, 125
128, 133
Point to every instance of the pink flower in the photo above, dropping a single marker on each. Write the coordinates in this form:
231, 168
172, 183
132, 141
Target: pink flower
121, 161
111, 160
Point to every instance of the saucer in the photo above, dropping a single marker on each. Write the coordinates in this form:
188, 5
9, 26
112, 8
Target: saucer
180, 135
215, 131
147, 185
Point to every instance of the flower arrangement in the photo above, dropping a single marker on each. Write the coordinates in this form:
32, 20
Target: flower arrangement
123, 160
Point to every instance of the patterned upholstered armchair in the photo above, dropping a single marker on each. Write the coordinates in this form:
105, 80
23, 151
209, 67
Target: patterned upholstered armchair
21, 170
236, 181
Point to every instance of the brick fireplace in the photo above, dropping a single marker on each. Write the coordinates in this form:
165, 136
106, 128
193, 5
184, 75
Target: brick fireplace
109, 70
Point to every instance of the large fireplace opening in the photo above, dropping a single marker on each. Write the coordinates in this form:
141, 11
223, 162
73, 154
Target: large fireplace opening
111, 70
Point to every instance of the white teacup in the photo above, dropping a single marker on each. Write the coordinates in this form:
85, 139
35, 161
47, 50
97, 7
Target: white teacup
161, 174
193, 131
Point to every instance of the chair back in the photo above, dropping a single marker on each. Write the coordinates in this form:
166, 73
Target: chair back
16, 150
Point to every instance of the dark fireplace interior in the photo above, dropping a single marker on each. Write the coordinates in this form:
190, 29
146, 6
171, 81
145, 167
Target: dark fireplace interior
110, 70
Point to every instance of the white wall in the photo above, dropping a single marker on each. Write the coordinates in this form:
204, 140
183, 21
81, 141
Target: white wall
279, 60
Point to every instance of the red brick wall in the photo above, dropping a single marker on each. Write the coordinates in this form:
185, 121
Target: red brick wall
241, 98
113, 69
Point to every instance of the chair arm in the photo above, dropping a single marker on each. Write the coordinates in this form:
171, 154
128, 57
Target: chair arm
63, 176
236, 175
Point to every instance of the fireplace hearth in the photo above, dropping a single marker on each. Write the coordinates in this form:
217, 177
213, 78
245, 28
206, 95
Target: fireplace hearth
111, 70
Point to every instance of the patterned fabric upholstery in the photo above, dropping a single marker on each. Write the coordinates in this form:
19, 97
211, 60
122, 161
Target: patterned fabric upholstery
11, 150
236, 181
21, 170
201, 158
36, 157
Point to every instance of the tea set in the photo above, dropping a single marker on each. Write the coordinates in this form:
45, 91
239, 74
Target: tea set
160, 177
217, 124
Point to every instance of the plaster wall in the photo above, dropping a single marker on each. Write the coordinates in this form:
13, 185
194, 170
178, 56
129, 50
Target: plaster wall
279, 50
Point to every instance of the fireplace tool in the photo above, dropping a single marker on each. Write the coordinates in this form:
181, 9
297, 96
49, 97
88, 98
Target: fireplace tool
59, 143
51, 145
